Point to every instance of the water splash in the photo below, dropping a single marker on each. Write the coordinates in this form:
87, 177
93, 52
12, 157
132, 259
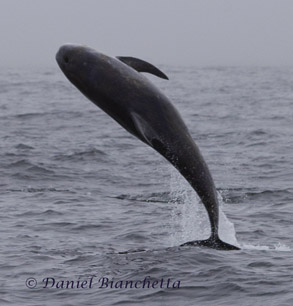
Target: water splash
226, 228
189, 219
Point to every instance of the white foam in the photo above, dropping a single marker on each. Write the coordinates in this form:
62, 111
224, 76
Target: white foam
282, 247
255, 247
276, 247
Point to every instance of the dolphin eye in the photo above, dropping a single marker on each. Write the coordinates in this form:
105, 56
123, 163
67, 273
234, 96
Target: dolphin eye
66, 59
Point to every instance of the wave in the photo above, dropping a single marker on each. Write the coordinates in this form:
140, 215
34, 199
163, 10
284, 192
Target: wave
54, 114
24, 169
89, 154
155, 197
48, 212
238, 195
22, 146
37, 190
228, 195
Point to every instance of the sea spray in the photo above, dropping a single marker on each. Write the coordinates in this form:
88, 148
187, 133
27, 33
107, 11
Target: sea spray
189, 218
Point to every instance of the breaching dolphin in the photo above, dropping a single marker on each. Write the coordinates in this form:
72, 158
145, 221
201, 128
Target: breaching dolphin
116, 86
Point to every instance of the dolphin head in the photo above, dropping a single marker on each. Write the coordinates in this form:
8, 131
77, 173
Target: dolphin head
70, 58
86, 68
108, 82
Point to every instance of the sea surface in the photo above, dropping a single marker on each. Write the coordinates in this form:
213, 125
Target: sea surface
92, 216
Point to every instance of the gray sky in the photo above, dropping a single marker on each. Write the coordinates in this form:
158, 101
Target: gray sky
179, 32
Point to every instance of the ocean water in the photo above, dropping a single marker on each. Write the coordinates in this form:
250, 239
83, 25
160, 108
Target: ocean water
92, 216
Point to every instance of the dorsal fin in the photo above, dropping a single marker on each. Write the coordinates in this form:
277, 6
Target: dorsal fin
142, 66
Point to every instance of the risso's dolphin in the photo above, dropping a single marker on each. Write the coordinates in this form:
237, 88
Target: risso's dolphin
116, 86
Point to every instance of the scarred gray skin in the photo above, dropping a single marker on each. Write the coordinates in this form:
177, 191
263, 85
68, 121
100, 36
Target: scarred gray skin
145, 112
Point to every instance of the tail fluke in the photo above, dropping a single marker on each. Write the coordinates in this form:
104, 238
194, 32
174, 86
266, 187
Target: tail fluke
214, 243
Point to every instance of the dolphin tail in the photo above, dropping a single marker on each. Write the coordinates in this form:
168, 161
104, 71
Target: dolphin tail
212, 242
